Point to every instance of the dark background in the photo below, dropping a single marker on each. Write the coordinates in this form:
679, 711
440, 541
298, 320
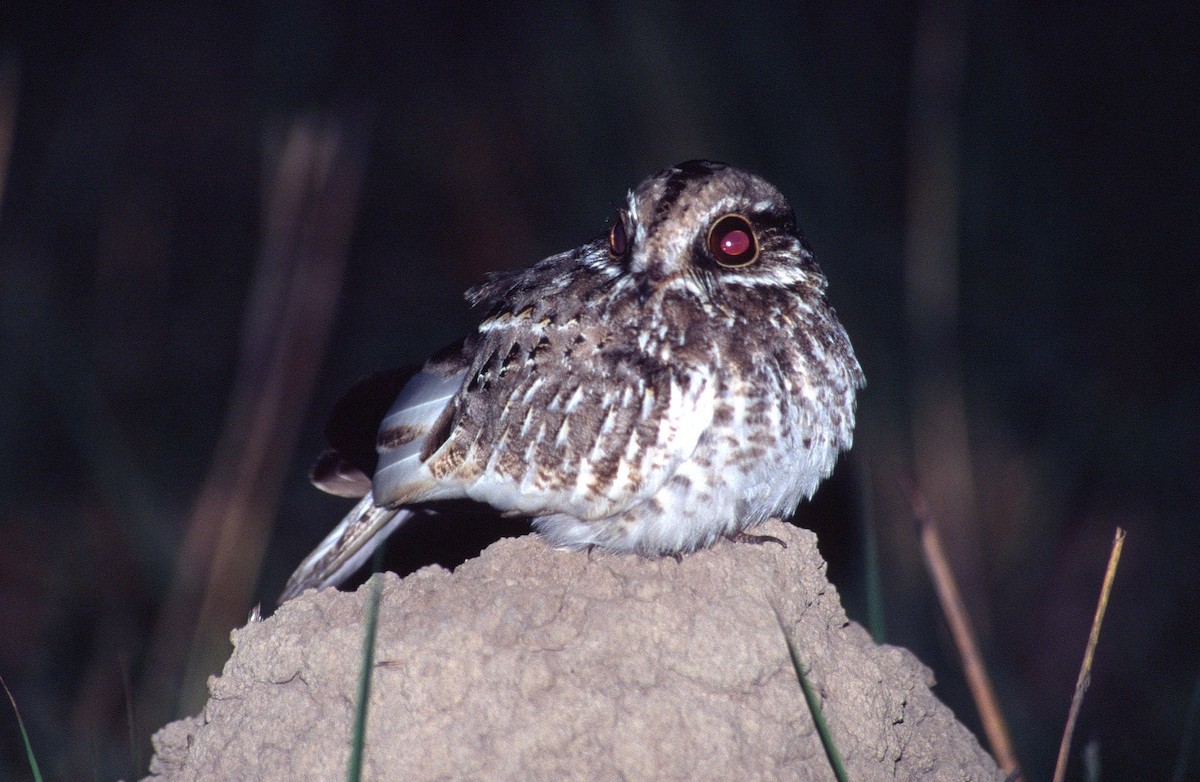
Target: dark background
213, 222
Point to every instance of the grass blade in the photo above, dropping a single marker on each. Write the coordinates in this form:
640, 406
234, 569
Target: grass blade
359, 734
33, 766
872, 565
1190, 723
814, 705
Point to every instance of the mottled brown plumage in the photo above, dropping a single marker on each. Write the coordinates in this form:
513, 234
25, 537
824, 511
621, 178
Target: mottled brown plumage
681, 379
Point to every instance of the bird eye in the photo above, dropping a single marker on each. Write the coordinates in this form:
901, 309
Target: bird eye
732, 242
618, 241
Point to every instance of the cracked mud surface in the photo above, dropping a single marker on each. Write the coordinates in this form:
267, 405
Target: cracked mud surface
531, 663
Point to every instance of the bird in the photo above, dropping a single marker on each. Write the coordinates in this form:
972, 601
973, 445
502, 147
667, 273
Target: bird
680, 378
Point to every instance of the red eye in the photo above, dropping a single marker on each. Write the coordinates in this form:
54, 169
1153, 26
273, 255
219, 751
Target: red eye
732, 242
618, 242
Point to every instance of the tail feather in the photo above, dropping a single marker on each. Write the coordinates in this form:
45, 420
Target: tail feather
346, 548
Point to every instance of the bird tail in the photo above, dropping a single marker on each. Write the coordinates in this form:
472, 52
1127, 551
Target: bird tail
346, 548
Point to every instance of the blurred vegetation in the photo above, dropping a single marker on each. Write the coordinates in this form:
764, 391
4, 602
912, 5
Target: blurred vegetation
213, 221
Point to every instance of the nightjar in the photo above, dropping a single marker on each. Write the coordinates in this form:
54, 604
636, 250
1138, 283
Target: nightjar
679, 379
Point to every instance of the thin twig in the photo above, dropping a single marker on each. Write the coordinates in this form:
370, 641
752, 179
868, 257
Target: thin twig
1085, 670
959, 621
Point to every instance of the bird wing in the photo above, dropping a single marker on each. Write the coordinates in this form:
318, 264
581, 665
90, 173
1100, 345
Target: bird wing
346, 547
546, 419
407, 424
552, 407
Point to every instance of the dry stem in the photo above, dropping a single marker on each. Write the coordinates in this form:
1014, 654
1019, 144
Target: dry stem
956, 615
1085, 670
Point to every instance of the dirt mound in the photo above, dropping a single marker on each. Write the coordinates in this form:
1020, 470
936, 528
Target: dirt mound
531, 663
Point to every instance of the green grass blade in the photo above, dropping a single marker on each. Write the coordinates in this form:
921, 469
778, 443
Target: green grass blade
1190, 723
33, 766
135, 756
814, 706
871, 562
359, 734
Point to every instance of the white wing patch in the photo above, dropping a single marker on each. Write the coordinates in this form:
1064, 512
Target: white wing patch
404, 429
